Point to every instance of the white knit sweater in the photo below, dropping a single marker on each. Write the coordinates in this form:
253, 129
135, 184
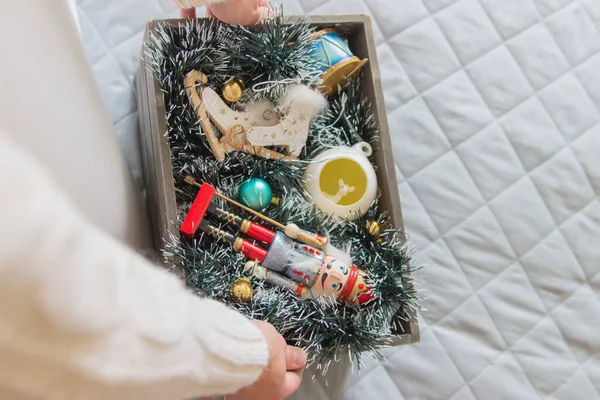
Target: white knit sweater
83, 317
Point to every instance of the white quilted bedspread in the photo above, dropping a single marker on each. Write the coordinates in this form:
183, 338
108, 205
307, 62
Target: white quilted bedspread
494, 110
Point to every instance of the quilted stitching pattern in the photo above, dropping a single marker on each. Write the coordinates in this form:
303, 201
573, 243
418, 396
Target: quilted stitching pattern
495, 113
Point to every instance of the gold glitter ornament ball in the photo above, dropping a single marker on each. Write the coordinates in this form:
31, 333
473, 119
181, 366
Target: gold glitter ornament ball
241, 291
233, 90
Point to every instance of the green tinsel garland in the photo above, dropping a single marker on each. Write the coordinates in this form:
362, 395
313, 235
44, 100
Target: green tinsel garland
277, 52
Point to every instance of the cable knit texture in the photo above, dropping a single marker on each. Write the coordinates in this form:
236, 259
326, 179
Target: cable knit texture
81, 316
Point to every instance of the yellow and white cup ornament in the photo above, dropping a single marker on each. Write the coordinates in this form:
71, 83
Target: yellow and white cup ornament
342, 182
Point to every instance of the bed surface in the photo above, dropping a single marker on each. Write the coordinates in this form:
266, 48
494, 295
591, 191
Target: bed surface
494, 108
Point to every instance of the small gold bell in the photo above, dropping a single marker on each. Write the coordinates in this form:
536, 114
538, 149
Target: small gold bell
233, 90
241, 291
375, 229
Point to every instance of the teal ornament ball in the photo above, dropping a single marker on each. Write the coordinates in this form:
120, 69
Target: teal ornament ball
255, 193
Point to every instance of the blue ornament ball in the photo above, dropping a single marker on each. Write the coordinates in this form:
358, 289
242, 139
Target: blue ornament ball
255, 193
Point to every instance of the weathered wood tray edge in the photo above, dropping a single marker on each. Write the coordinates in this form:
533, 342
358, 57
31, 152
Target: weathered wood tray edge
156, 154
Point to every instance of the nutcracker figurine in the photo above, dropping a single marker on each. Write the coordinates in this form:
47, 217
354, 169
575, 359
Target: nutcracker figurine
306, 270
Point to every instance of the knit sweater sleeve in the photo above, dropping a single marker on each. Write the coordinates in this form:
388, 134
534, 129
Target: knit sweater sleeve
82, 316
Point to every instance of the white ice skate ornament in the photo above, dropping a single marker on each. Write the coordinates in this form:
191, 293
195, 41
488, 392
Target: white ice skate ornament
260, 125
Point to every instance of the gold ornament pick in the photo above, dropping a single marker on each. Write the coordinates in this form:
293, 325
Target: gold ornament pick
241, 291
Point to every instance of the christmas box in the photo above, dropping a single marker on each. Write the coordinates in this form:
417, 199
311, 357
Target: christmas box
157, 157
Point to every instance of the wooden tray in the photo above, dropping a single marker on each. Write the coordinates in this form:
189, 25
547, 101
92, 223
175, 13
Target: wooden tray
156, 154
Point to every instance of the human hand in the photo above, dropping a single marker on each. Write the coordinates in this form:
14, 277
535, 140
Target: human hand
282, 376
240, 12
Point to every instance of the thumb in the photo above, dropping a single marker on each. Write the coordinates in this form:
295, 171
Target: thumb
292, 382
295, 358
